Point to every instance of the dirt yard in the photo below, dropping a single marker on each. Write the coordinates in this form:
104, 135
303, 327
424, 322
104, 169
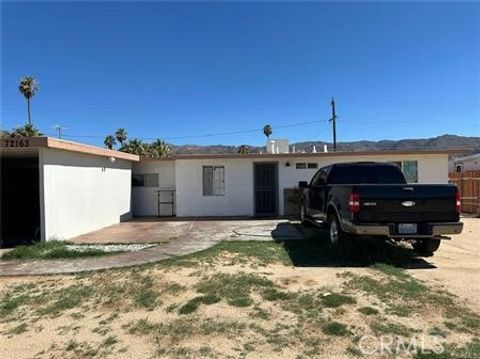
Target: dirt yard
257, 299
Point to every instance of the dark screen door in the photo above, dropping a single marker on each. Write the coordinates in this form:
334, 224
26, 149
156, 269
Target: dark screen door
266, 189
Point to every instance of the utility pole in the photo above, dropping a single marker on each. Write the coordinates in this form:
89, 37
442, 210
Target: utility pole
59, 129
334, 122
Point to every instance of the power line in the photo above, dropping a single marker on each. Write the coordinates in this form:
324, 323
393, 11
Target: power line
227, 133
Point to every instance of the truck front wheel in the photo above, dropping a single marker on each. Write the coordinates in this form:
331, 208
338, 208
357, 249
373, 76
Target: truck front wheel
425, 246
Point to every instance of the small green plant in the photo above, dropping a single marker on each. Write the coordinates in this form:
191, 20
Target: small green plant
368, 310
335, 328
193, 304
334, 300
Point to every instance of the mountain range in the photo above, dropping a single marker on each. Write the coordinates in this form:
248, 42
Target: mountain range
471, 144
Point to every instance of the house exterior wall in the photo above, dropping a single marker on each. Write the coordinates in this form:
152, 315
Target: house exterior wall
82, 193
145, 199
239, 188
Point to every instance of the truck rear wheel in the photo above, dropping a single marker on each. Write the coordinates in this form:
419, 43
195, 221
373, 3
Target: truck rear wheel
335, 233
429, 245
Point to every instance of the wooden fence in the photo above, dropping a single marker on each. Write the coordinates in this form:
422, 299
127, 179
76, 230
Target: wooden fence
469, 184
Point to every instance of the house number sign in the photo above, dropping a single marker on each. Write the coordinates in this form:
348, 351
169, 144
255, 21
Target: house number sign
12, 143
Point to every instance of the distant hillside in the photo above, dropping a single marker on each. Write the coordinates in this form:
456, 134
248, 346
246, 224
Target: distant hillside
440, 142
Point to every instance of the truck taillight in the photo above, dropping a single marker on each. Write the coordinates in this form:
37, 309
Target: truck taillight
354, 202
458, 202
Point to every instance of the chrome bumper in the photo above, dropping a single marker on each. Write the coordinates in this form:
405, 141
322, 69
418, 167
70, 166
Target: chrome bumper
437, 229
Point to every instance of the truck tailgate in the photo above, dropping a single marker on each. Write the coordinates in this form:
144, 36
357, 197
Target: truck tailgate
407, 203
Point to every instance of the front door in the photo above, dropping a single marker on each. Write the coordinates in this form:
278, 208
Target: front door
266, 189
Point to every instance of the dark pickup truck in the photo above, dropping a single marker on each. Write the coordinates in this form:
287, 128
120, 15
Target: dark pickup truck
374, 199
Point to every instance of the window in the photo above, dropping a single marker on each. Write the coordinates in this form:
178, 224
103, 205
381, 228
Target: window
213, 180
145, 180
458, 168
410, 170
304, 166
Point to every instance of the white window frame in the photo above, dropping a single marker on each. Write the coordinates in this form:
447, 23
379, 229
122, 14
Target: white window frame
215, 185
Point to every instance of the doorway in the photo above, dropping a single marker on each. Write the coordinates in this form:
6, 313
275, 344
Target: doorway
266, 189
20, 199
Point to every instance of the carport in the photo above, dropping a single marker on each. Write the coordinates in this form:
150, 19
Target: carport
20, 191
56, 189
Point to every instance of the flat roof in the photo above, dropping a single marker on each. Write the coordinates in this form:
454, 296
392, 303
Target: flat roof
307, 154
28, 143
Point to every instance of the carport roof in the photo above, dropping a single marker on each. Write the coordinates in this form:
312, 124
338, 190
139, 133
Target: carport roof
27, 143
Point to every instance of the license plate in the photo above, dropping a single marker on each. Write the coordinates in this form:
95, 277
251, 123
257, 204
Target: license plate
407, 228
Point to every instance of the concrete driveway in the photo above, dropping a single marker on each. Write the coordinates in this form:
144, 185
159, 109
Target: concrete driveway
152, 230
181, 236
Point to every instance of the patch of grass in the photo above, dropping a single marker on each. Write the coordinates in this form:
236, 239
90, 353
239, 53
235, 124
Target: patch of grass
72, 345
234, 288
147, 298
50, 250
19, 329
273, 294
109, 341
334, 300
335, 328
193, 304
380, 328
141, 326
11, 302
400, 310
436, 331
245, 251
368, 310
67, 298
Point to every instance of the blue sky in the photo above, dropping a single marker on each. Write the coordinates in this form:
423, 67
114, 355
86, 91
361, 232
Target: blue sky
191, 69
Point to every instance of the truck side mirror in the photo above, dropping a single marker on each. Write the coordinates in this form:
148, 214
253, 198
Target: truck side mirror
303, 184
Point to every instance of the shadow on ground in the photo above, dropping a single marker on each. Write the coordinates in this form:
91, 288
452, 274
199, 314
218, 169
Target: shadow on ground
315, 250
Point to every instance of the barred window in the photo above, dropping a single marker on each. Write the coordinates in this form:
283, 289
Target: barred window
213, 180
410, 170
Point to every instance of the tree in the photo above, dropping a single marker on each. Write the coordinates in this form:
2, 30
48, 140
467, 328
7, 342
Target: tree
135, 146
25, 131
28, 87
158, 148
267, 130
121, 136
109, 142
243, 150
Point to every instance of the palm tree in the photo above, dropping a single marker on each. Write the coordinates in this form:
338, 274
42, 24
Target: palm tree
267, 130
121, 136
25, 131
243, 150
109, 142
159, 148
28, 87
135, 146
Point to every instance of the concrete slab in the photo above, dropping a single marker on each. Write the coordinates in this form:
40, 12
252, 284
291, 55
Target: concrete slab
182, 236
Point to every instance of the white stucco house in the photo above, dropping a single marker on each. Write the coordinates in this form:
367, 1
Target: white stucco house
56, 189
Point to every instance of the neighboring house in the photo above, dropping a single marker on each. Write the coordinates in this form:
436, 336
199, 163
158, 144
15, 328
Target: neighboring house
463, 164
56, 189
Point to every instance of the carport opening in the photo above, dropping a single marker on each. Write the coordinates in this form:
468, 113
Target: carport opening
20, 199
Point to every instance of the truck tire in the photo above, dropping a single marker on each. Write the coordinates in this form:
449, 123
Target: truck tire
426, 246
303, 217
335, 233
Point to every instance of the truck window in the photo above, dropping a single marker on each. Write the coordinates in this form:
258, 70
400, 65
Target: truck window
366, 174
